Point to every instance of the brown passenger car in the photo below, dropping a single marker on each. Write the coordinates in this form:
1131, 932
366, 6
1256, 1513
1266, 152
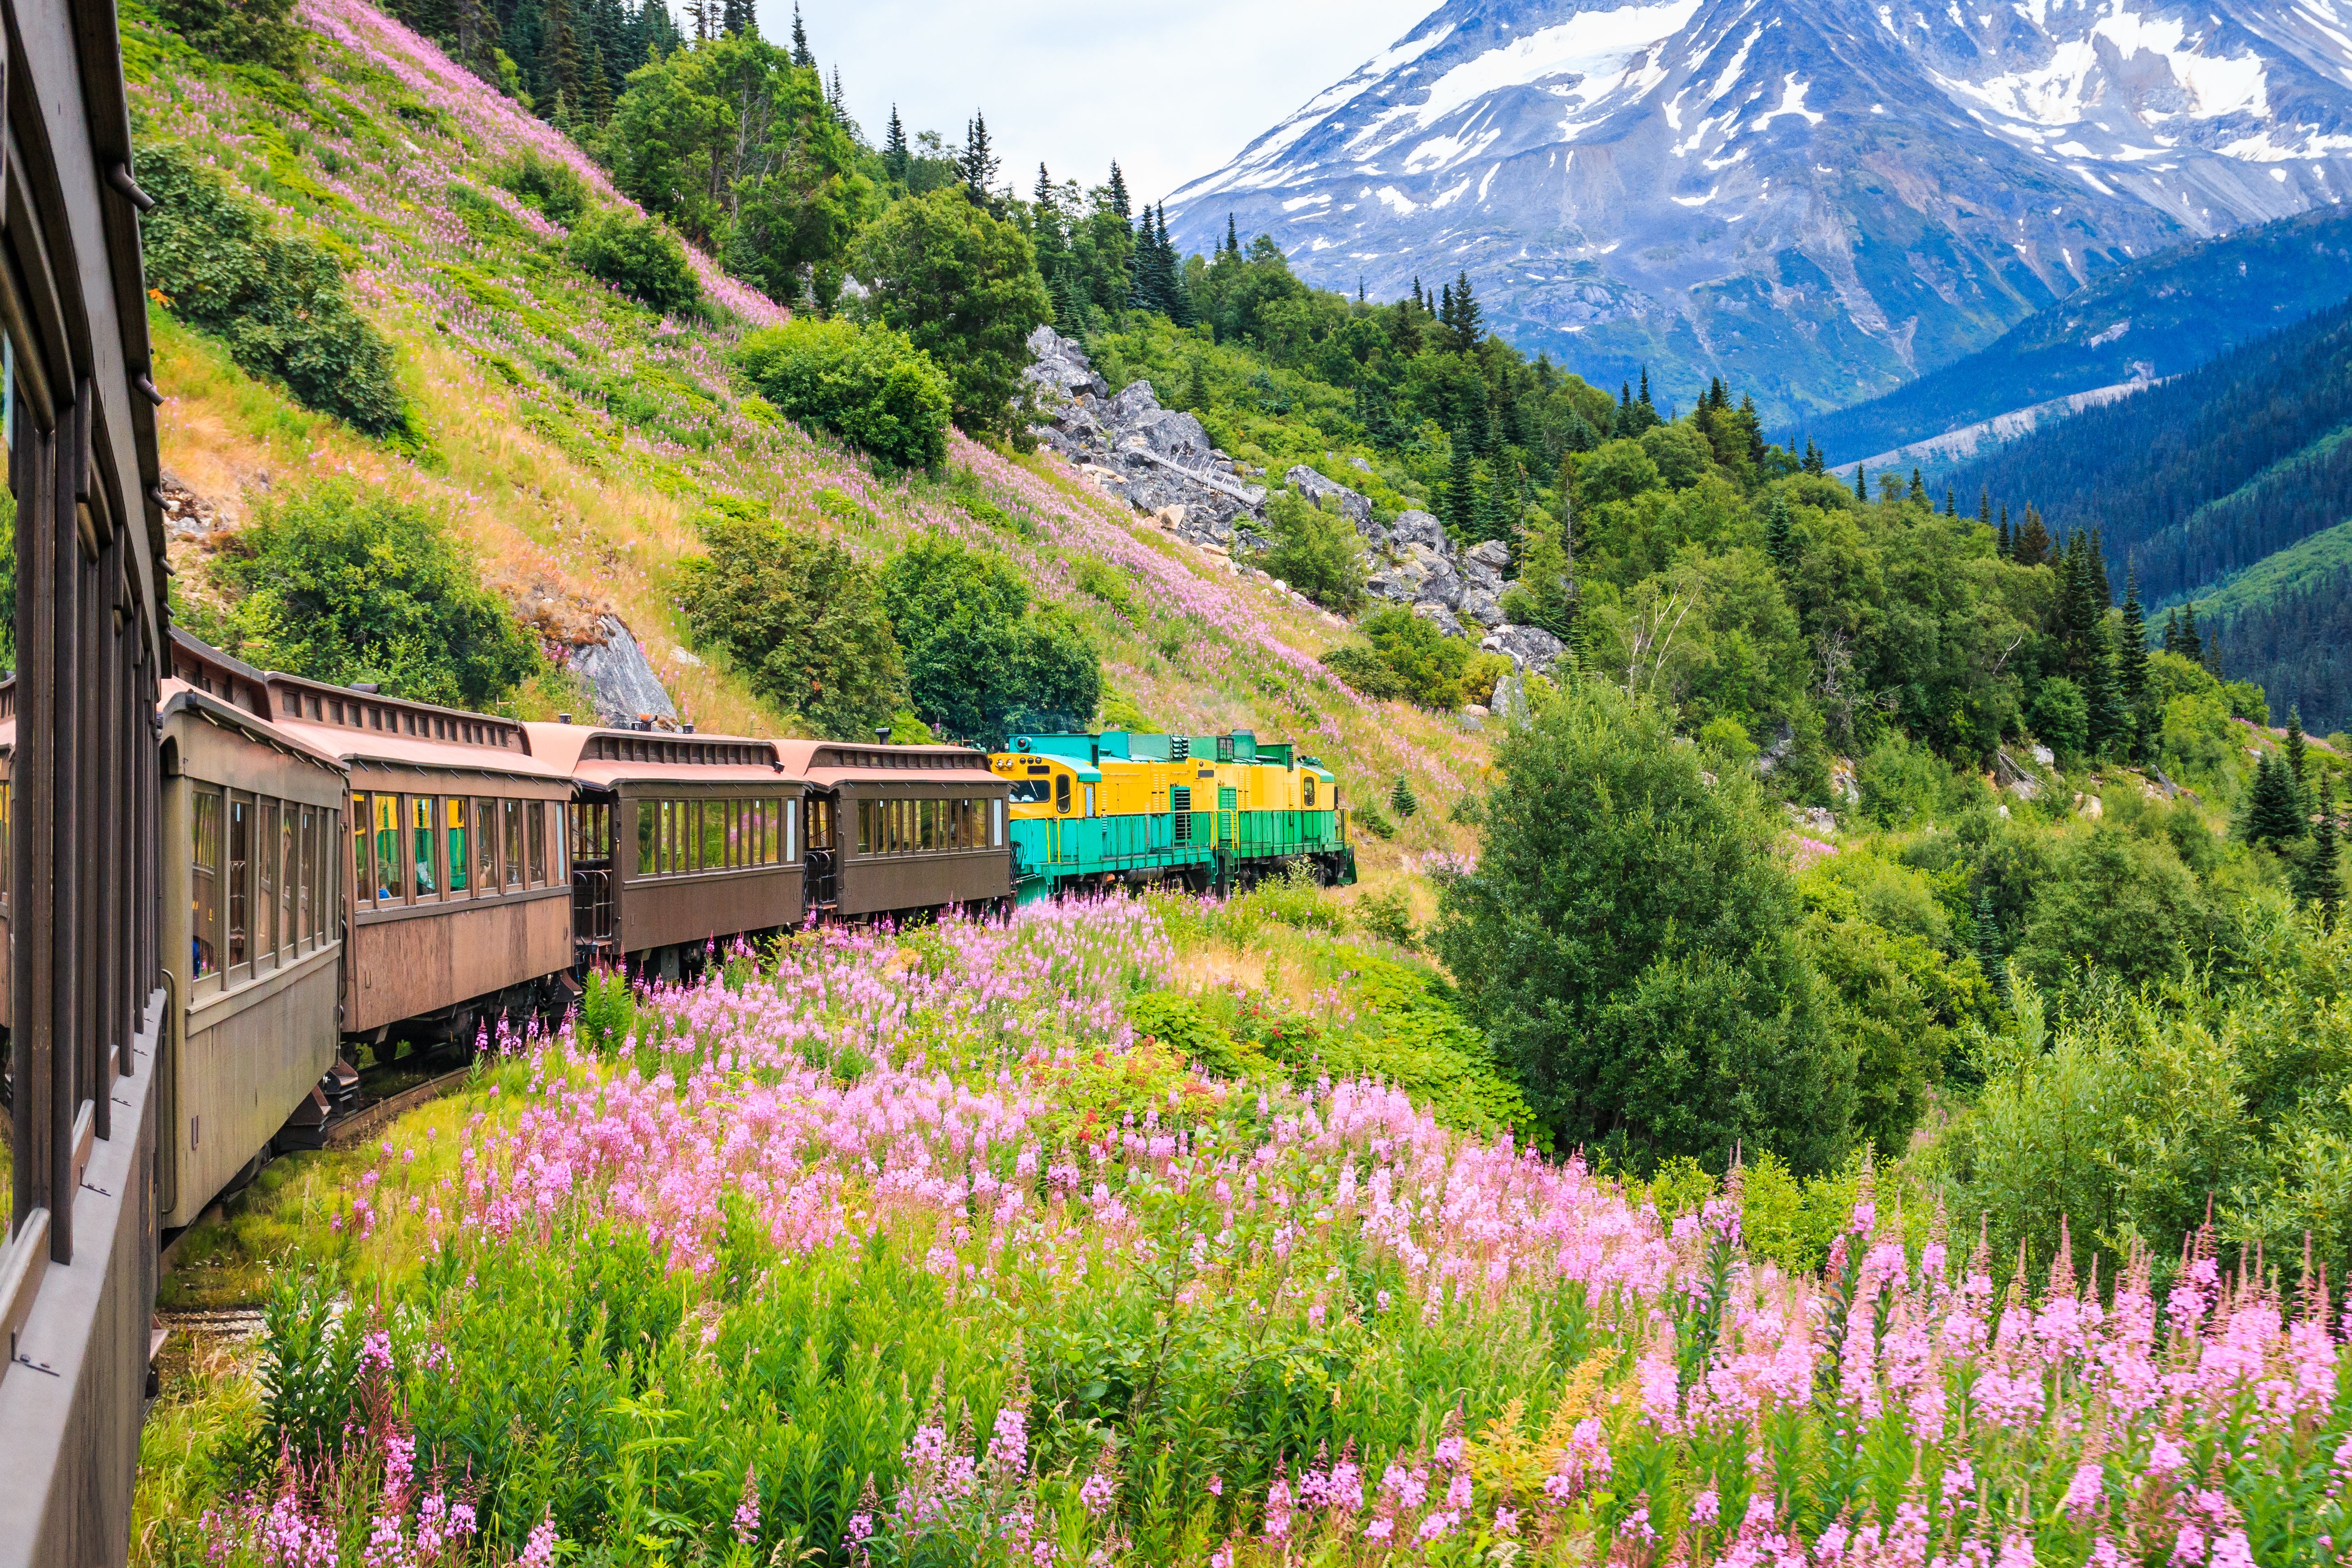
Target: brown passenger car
252, 925
460, 901
900, 830
678, 841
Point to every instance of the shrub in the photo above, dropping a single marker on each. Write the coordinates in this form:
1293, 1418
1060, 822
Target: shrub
1655, 1002
240, 32
963, 286
1315, 551
869, 385
801, 618
552, 186
980, 662
1365, 672
278, 302
1426, 666
2062, 717
344, 583
1387, 916
639, 257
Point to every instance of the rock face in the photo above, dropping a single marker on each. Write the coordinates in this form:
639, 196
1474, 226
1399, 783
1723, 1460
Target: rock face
622, 681
1816, 198
1161, 461
1529, 648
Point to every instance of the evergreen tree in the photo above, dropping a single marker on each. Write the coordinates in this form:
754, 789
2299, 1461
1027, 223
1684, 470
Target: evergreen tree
2173, 631
978, 163
1861, 486
2192, 645
2131, 667
1042, 193
2103, 696
2322, 876
2103, 592
1951, 503
1119, 197
2007, 545
1984, 509
2274, 814
737, 18
1402, 800
1461, 492
2297, 754
1179, 298
1467, 323
1233, 239
897, 159
1990, 957
1780, 539
802, 56
596, 87
2030, 545
1918, 491
1644, 398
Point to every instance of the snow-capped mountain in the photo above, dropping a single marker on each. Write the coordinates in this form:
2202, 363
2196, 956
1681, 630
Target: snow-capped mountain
1819, 199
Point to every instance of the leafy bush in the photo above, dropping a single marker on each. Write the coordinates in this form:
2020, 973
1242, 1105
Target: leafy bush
1387, 916
868, 385
343, 584
279, 303
639, 257
981, 663
1365, 672
240, 32
1315, 551
1657, 1002
801, 618
963, 285
1428, 666
549, 185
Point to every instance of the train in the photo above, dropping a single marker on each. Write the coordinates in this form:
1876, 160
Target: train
343, 869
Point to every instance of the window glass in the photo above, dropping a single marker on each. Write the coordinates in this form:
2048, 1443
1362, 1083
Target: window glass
865, 828
240, 879
535, 822
779, 818
289, 876
511, 811
390, 865
204, 866
1062, 794
1029, 792
735, 845
647, 818
362, 847
997, 839
460, 856
424, 846
1306, 789
559, 855
264, 876
1090, 800
714, 835
484, 831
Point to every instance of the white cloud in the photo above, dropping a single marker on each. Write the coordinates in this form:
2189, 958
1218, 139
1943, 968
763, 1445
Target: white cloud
1172, 91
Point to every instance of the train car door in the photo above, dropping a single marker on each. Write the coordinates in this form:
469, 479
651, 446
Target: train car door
822, 873
591, 822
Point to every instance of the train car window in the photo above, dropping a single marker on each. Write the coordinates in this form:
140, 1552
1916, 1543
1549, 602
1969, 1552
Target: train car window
303, 863
996, 838
1062, 794
647, 819
289, 876
461, 858
535, 822
266, 853
424, 846
781, 811
391, 864
240, 879
482, 846
926, 822
204, 877
363, 848
1090, 800
511, 811
734, 810
1029, 792
559, 858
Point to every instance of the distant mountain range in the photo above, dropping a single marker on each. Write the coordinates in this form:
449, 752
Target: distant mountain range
2117, 334
2230, 485
1818, 200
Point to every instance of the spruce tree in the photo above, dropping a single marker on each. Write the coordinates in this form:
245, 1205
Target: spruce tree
1233, 238
1984, 507
2297, 754
1468, 325
1402, 800
1179, 298
1861, 486
1988, 954
897, 159
2172, 630
1462, 491
2323, 877
1918, 491
596, 87
2103, 592
2274, 814
801, 54
1644, 398
1951, 503
978, 162
2192, 645
2003, 542
2030, 545
1119, 196
1780, 537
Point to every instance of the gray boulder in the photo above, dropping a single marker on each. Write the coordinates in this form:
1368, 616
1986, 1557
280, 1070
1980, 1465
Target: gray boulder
1530, 649
1441, 586
1133, 401
1355, 508
1060, 367
1419, 528
1178, 437
1440, 616
1509, 702
1480, 605
620, 679
1483, 564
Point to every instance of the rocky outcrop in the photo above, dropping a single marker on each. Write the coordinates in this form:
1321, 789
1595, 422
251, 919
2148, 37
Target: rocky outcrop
621, 680
1530, 649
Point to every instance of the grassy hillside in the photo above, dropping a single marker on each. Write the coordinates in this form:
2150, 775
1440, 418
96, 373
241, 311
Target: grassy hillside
575, 439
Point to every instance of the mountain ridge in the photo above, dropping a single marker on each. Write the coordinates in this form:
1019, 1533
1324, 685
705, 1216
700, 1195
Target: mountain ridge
1805, 199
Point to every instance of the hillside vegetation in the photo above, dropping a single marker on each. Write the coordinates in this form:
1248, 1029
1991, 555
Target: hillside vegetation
576, 444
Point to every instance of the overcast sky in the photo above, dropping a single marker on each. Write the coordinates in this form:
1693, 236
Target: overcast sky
1172, 90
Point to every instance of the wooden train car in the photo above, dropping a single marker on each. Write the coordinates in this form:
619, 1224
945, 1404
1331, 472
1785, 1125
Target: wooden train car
900, 830
459, 897
252, 925
677, 841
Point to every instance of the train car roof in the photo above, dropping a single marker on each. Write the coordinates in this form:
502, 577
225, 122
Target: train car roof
828, 762
176, 696
596, 756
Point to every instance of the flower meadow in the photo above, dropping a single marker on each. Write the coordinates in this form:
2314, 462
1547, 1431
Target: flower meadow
911, 1248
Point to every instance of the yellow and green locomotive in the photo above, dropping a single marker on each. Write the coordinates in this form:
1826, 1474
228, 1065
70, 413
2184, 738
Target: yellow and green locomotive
1211, 813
